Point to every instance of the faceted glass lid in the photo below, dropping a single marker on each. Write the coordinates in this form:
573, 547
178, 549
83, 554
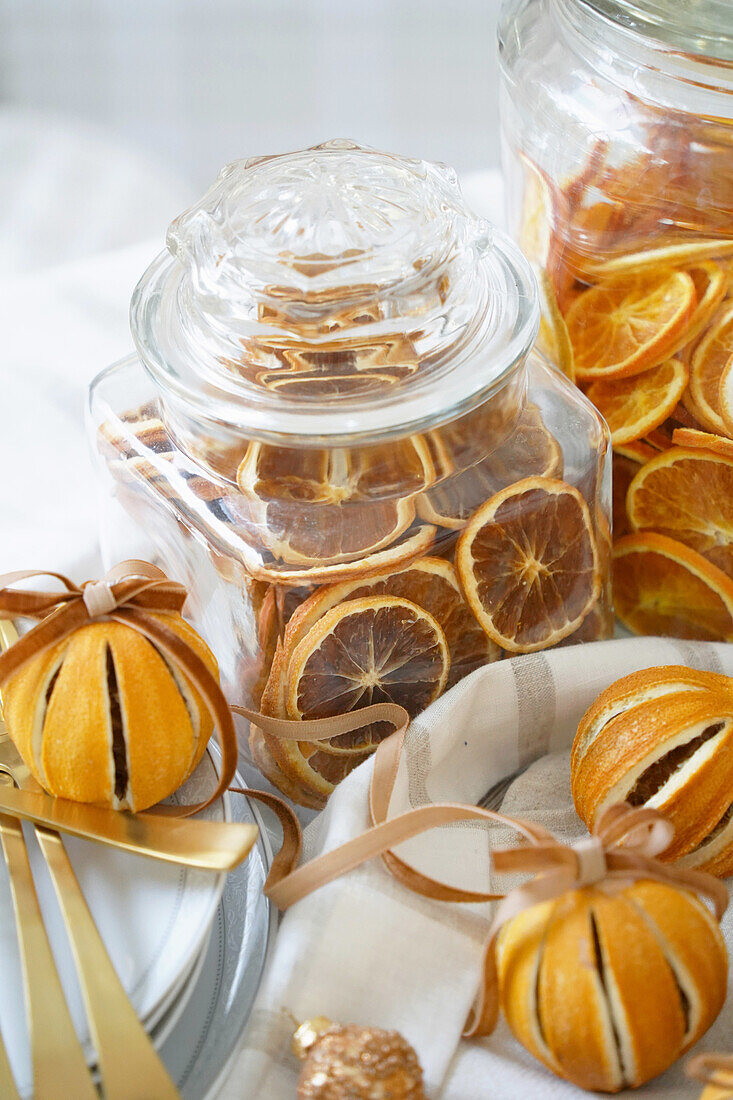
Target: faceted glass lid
332, 292
700, 27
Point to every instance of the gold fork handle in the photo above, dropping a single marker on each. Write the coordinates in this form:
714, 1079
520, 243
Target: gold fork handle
130, 1067
8, 1088
59, 1066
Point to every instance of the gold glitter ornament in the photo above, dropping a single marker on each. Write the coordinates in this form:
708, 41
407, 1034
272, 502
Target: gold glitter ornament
355, 1063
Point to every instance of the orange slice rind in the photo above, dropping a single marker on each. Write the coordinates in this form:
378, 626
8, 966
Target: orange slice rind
676, 254
707, 365
705, 441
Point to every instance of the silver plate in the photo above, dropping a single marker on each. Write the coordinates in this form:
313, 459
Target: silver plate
204, 1041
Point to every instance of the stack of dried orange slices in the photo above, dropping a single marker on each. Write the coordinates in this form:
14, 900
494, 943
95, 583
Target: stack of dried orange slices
361, 597
637, 311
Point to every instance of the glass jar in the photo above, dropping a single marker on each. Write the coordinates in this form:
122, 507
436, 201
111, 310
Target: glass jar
617, 122
336, 434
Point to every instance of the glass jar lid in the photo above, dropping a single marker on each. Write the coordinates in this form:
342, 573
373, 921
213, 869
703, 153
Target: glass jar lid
331, 293
699, 27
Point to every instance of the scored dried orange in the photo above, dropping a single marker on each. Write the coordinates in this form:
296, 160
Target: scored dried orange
661, 586
369, 650
634, 406
627, 325
709, 360
528, 564
529, 449
705, 441
687, 495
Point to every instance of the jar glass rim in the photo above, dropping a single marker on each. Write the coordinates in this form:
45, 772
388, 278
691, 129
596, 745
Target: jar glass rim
697, 29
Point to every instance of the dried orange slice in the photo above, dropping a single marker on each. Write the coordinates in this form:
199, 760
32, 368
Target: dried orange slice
709, 360
661, 586
634, 406
431, 583
675, 254
324, 506
628, 325
639, 450
376, 649
687, 495
530, 449
413, 544
553, 339
528, 564
705, 441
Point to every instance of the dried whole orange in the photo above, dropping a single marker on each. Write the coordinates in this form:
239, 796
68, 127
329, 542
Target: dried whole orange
528, 564
369, 650
529, 449
663, 737
709, 360
629, 324
687, 494
661, 586
632, 407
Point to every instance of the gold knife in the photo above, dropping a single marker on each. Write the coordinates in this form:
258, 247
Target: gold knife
209, 845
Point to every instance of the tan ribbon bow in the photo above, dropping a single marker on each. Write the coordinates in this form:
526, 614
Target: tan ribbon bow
131, 593
715, 1071
624, 847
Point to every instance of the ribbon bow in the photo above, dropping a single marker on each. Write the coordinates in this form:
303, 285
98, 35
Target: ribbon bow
132, 593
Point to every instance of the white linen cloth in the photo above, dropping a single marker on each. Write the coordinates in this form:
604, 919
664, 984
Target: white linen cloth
364, 949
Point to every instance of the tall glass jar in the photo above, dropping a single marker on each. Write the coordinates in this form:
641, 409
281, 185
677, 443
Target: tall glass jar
617, 120
336, 434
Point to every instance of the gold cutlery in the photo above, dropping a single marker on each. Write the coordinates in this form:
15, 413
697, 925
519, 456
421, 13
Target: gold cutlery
208, 845
129, 1066
59, 1066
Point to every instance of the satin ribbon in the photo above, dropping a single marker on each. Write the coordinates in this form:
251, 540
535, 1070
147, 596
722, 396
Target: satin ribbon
131, 593
714, 1070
